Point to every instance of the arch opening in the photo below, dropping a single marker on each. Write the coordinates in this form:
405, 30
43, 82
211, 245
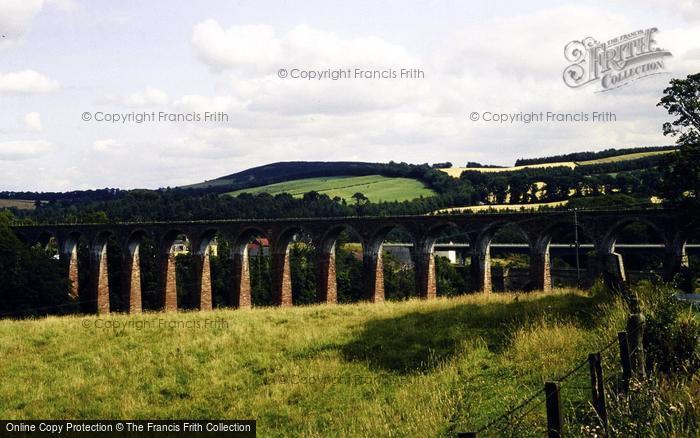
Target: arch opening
217, 251
252, 279
339, 266
689, 275
571, 253
450, 247
178, 282
640, 248
75, 253
505, 250
393, 247
294, 268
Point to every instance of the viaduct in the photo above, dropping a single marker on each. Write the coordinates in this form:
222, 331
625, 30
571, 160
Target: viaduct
599, 227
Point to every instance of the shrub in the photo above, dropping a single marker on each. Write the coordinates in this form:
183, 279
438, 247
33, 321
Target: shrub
672, 332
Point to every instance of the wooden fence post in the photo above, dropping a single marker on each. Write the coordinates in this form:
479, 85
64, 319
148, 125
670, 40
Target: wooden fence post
635, 333
625, 360
598, 389
555, 418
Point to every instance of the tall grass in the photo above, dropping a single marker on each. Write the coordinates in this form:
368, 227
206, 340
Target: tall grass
401, 368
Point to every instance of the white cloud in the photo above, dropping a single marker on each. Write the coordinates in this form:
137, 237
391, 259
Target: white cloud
689, 10
502, 64
32, 121
26, 82
149, 96
253, 46
63, 5
199, 103
507, 60
258, 49
105, 145
23, 149
15, 17
144, 98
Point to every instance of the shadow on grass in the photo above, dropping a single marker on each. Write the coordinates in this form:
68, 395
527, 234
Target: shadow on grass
419, 341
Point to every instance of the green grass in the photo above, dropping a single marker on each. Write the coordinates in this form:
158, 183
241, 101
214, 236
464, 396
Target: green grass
412, 368
375, 187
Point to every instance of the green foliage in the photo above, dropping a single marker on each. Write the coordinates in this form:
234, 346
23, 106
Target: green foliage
303, 269
615, 200
6, 218
682, 171
589, 156
682, 100
652, 408
450, 279
261, 280
399, 278
348, 265
552, 184
672, 332
31, 282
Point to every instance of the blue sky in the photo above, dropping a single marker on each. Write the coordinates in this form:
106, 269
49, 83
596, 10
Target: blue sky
61, 58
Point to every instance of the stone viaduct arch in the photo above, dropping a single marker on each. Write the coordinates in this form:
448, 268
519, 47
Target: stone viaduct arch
600, 227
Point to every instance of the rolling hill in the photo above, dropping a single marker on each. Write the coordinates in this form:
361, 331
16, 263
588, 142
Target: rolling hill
400, 181
287, 171
376, 188
457, 171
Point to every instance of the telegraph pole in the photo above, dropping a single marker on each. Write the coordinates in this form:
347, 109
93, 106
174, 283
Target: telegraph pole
578, 264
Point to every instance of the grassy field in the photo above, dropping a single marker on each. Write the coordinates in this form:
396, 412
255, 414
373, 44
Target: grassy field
623, 157
503, 207
413, 368
20, 204
375, 187
457, 171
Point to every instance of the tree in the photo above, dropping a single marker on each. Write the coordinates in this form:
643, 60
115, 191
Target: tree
360, 198
682, 171
31, 282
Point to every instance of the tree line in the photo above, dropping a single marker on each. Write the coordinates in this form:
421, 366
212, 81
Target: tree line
587, 156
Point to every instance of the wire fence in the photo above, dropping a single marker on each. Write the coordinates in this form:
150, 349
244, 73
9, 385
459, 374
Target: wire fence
576, 392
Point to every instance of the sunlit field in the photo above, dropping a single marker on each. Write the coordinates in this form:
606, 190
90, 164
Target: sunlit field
376, 188
417, 368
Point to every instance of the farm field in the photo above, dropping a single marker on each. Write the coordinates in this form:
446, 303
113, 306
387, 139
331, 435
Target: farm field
410, 368
503, 207
20, 204
457, 171
622, 158
376, 188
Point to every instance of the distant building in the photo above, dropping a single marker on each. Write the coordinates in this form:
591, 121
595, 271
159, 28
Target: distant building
259, 246
181, 247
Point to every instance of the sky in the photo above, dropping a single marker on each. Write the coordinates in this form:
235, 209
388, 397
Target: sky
67, 61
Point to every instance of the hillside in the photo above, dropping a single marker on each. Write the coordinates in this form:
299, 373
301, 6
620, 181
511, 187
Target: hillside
376, 188
287, 171
546, 163
633, 172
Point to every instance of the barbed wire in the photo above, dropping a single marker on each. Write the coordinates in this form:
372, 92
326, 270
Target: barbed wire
562, 382
510, 411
